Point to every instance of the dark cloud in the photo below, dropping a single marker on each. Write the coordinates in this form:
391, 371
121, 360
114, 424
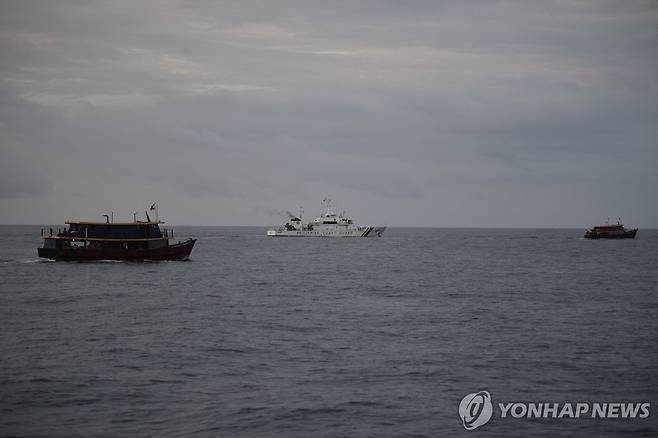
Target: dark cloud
466, 113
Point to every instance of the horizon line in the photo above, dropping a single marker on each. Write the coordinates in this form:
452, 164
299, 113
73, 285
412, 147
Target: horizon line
387, 226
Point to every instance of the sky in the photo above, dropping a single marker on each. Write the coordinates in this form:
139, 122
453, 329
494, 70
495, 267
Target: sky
405, 113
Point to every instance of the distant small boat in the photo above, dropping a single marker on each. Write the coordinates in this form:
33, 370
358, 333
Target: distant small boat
137, 240
608, 231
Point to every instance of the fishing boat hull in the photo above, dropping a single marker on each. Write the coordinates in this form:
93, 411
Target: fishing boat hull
626, 234
178, 251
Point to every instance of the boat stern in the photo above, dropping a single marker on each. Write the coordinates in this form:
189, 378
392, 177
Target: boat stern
373, 232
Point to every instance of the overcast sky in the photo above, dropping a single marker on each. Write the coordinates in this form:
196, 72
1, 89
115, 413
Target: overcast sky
428, 113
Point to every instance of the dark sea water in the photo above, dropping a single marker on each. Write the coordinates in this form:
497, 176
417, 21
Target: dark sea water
267, 337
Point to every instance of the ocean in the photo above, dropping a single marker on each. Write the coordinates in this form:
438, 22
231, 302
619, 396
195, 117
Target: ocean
282, 337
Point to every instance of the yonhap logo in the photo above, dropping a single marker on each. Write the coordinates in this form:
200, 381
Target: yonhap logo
475, 409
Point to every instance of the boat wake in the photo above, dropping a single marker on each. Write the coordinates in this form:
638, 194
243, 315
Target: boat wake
35, 261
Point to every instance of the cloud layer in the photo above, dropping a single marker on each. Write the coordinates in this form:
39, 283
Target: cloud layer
429, 113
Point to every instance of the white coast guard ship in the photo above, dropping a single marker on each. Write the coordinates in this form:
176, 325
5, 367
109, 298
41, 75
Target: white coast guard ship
328, 224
